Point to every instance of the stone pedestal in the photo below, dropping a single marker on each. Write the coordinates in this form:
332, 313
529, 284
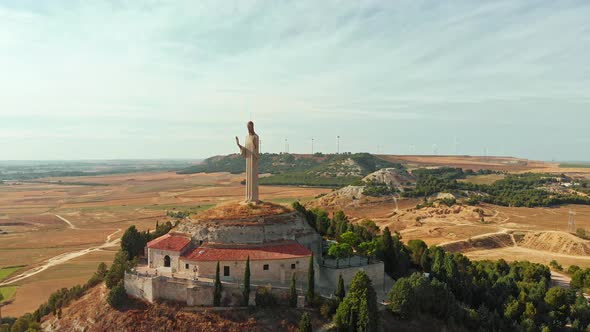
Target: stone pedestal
300, 301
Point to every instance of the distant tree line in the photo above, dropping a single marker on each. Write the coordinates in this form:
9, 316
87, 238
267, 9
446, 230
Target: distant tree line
519, 190
288, 169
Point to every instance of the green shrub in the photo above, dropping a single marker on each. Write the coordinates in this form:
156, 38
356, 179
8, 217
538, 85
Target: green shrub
265, 298
117, 296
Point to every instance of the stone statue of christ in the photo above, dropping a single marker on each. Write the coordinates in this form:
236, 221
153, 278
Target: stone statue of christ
250, 152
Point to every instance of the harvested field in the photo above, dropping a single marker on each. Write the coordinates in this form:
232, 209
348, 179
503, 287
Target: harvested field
526, 254
496, 163
93, 213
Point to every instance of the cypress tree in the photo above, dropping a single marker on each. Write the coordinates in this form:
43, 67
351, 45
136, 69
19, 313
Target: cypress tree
218, 288
246, 292
293, 292
1, 299
340, 292
358, 310
387, 252
309, 296
305, 323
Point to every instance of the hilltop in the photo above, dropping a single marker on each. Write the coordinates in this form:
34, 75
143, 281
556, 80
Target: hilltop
92, 313
329, 170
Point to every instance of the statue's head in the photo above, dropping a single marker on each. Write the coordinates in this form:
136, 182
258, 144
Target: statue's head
251, 127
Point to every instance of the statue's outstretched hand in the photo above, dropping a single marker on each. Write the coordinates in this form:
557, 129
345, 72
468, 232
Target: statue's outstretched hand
237, 141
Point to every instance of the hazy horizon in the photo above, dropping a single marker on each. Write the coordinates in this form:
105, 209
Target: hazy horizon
178, 80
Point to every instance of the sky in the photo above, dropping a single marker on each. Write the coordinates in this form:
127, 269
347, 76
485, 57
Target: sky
180, 79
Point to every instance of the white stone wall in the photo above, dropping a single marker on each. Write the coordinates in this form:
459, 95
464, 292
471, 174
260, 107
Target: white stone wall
329, 276
139, 287
156, 259
279, 271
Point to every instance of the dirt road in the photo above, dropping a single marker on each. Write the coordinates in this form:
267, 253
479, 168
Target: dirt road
559, 279
67, 222
60, 259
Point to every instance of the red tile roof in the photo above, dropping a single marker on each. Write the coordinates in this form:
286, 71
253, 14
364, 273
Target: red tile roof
172, 242
270, 252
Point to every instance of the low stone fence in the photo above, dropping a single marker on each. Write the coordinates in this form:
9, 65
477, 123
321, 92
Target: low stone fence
354, 261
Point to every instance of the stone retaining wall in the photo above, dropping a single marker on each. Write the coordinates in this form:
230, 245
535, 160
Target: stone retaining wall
190, 292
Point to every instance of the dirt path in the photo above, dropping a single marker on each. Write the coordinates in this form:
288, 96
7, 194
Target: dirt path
501, 231
561, 280
60, 259
67, 222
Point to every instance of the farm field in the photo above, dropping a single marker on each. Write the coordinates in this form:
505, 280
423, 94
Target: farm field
7, 271
58, 232
68, 229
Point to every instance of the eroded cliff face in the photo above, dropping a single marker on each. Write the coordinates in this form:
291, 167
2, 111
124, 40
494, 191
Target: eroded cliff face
91, 313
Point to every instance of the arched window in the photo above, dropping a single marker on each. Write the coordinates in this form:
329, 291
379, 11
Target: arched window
166, 261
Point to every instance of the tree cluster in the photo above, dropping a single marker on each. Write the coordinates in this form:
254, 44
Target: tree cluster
133, 242
487, 296
378, 189
520, 190
357, 311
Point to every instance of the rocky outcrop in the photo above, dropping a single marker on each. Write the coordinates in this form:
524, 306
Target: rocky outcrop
256, 229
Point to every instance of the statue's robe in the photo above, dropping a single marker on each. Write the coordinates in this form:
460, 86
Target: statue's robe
250, 152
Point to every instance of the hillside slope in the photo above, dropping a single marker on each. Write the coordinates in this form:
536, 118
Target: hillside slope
376, 188
332, 170
92, 313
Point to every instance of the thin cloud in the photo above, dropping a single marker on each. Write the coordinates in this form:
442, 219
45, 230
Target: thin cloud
398, 67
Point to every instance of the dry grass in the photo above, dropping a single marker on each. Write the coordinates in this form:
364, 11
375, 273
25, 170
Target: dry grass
525, 254
36, 289
484, 179
238, 210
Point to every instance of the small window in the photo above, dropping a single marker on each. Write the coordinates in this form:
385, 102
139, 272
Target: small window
265, 267
293, 266
186, 266
226, 271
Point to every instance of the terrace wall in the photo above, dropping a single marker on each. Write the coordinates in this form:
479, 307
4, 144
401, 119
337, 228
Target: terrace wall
190, 292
